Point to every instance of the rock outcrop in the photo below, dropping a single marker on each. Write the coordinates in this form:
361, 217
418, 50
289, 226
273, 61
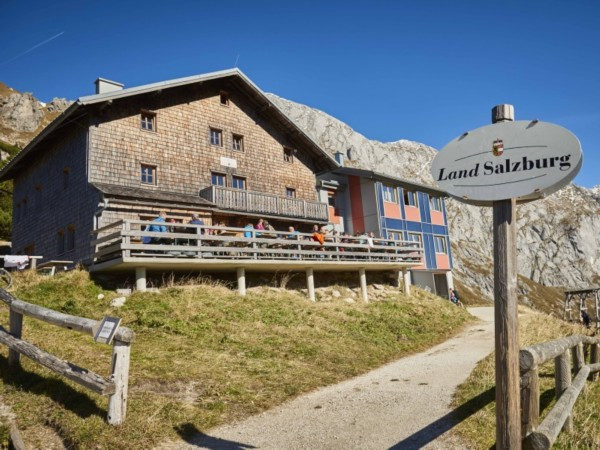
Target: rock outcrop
22, 116
558, 237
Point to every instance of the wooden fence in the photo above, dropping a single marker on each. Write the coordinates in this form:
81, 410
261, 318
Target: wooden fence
542, 436
115, 387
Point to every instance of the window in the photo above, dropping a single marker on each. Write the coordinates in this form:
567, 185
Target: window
70, 238
218, 179
288, 155
435, 203
237, 142
416, 237
216, 137
238, 183
331, 198
290, 192
410, 198
395, 235
148, 121
224, 98
439, 243
389, 194
60, 242
148, 174
66, 173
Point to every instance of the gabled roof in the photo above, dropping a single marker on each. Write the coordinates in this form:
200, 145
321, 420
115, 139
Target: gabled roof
82, 104
390, 179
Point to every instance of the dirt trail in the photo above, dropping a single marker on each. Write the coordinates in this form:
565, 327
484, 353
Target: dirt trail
402, 405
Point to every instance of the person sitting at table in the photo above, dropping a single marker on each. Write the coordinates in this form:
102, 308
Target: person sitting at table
156, 228
268, 226
319, 236
248, 230
293, 234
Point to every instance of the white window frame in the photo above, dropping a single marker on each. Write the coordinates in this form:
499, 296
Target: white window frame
440, 238
387, 189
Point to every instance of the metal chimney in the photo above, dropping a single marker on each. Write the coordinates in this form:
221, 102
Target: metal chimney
103, 86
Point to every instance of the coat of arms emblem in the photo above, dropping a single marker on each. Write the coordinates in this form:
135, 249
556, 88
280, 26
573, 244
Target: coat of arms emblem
498, 147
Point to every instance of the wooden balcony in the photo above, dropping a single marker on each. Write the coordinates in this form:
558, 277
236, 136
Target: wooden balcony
129, 240
261, 203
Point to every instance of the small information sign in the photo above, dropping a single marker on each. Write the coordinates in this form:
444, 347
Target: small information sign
107, 329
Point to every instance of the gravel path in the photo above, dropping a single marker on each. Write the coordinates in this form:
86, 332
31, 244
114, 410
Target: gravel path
402, 405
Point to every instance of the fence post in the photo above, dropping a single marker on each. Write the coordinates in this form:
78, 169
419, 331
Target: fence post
562, 378
594, 356
578, 358
530, 401
117, 402
16, 328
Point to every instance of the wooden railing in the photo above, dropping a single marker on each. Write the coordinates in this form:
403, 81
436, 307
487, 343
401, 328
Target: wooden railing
126, 238
567, 391
115, 386
262, 203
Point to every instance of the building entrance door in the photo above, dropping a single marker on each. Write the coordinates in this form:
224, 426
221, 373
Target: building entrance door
441, 284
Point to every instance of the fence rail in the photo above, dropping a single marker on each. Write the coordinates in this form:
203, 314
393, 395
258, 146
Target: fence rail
115, 386
131, 238
543, 436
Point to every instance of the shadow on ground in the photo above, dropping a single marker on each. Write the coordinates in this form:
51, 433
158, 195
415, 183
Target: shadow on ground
53, 388
190, 434
435, 429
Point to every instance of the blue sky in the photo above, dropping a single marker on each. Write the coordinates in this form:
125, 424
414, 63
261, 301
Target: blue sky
420, 70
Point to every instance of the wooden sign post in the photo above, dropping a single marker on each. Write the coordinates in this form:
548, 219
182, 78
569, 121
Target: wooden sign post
506, 320
500, 165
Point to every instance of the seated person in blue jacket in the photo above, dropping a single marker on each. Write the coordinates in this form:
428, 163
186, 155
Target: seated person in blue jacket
157, 227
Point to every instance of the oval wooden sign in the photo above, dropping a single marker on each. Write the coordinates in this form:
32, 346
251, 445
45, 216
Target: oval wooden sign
526, 160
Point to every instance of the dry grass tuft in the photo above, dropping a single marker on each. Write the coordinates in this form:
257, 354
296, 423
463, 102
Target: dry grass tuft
478, 430
204, 356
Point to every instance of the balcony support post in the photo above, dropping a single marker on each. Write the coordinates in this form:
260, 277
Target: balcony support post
140, 279
241, 280
363, 284
406, 275
310, 283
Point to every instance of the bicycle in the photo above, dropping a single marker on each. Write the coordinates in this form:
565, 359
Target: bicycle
6, 279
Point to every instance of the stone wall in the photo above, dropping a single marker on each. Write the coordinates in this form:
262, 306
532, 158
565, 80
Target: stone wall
52, 194
180, 146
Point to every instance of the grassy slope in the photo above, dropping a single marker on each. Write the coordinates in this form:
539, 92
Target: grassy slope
478, 430
204, 356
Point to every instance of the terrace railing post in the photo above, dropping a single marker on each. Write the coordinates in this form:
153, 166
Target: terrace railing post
254, 246
530, 401
16, 329
126, 238
594, 356
199, 241
117, 402
562, 377
304, 209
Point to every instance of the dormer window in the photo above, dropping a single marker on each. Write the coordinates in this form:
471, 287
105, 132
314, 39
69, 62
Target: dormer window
148, 121
224, 98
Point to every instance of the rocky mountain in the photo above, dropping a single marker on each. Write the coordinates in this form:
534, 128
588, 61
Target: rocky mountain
558, 238
22, 116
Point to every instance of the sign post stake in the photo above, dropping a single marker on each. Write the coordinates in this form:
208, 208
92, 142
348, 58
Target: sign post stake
506, 321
